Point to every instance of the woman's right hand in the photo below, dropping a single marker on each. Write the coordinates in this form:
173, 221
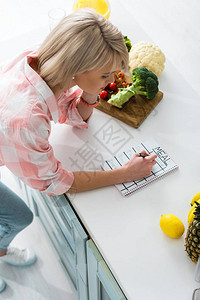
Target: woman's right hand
135, 169
138, 167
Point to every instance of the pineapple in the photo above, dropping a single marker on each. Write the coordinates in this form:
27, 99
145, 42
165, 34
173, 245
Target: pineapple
192, 240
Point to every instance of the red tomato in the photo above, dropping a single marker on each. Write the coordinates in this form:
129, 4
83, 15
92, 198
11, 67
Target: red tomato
120, 74
120, 80
125, 84
113, 86
103, 94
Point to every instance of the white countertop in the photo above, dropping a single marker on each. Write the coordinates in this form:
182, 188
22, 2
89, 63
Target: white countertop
144, 260
146, 263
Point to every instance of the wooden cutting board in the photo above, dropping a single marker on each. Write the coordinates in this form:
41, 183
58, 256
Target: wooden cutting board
134, 112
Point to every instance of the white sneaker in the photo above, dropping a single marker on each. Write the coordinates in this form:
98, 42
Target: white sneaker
19, 257
2, 285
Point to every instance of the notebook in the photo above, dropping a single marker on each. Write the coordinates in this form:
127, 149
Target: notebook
164, 165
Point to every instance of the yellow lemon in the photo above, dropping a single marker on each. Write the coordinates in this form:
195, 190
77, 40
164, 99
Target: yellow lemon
195, 198
191, 215
100, 6
172, 226
191, 212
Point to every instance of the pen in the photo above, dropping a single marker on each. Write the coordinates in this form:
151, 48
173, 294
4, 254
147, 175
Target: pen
142, 155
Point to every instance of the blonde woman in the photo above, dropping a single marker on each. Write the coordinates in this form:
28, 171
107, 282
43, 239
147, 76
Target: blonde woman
61, 82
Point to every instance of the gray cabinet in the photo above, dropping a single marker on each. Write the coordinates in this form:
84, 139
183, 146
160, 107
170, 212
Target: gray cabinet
78, 254
102, 284
66, 234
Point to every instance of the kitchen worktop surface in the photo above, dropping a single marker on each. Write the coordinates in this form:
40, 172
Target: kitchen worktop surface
146, 263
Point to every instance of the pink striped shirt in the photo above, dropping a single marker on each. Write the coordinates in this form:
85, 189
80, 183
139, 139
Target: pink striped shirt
27, 105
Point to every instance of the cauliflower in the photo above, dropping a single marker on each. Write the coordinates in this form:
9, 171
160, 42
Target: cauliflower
148, 55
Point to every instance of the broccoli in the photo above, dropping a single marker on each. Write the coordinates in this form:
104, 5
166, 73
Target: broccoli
145, 83
127, 42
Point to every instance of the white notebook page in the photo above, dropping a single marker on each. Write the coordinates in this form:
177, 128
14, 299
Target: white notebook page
164, 165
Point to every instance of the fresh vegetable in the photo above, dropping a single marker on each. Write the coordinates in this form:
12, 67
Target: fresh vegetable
172, 226
112, 86
127, 43
145, 83
121, 97
148, 55
120, 79
120, 74
103, 94
192, 240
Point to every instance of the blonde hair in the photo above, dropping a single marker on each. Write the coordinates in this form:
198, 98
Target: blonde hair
82, 41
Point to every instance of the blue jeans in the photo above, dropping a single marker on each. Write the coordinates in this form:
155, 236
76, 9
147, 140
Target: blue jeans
14, 216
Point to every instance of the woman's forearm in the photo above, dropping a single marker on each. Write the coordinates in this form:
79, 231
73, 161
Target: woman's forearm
135, 169
85, 181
